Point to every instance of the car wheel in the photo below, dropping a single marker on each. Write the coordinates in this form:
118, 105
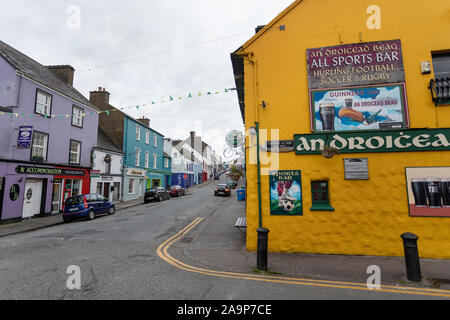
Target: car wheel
112, 210
159, 198
91, 215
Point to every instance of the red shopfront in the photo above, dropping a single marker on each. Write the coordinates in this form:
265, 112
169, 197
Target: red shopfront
75, 181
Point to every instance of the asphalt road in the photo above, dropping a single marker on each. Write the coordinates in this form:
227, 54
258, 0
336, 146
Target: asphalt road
117, 256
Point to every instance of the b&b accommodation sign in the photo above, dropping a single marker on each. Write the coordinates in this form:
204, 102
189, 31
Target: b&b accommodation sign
381, 141
357, 87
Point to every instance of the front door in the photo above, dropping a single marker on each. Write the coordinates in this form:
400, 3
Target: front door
56, 197
106, 190
32, 198
116, 194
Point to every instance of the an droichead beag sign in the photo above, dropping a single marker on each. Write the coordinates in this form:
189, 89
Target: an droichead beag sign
381, 141
356, 64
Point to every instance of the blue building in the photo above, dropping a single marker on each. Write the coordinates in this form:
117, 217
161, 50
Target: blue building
143, 147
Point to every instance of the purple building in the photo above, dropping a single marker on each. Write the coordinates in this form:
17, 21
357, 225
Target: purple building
47, 132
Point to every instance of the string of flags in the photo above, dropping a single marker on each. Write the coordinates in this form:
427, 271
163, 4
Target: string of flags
153, 102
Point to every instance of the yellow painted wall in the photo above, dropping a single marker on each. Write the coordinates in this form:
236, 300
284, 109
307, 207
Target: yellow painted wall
370, 215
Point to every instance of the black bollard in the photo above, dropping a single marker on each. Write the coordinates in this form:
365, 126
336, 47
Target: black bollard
261, 259
413, 272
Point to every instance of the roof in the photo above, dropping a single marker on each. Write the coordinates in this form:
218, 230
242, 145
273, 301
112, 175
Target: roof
104, 142
41, 74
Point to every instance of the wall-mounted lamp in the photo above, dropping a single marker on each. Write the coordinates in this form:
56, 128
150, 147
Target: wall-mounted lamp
20, 180
263, 104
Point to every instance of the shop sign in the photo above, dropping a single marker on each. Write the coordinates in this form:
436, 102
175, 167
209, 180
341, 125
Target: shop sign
286, 192
135, 172
280, 146
379, 141
25, 136
356, 64
359, 109
49, 171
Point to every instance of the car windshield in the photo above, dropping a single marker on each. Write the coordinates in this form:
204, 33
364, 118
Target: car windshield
74, 200
222, 186
151, 190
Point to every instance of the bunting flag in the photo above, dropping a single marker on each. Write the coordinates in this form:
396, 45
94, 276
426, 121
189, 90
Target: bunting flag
107, 112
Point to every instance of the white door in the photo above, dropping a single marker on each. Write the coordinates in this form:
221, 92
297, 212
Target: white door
32, 198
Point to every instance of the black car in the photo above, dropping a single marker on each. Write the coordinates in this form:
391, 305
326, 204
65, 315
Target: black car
156, 194
222, 189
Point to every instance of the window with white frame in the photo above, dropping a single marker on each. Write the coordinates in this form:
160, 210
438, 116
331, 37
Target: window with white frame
147, 159
74, 152
43, 103
39, 146
166, 162
155, 140
147, 136
137, 159
77, 116
138, 133
154, 160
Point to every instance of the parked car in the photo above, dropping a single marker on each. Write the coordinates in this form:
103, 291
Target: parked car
176, 191
232, 184
156, 194
222, 189
87, 206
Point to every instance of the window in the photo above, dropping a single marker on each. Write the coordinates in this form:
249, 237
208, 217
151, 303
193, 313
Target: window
138, 133
155, 140
320, 196
147, 159
43, 103
154, 161
137, 159
75, 152
77, 116
39, 147
166, 162
441, 65
147, 136
99, 187
131, 186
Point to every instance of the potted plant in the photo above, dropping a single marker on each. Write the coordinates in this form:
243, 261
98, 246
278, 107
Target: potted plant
329, 152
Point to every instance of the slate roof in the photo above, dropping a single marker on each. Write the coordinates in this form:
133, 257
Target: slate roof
41, 74
104, 142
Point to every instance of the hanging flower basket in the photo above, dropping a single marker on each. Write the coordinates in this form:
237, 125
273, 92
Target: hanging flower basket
329, 152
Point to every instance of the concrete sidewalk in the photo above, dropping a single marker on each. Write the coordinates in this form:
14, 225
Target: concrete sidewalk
218, 245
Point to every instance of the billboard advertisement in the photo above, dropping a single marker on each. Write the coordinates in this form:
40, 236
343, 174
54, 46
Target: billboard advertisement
428, 191
359, 109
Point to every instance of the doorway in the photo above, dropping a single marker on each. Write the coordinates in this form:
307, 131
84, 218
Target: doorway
56, 195
32, 198
106, 190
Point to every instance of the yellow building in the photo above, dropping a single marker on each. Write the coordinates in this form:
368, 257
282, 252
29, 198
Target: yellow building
350, 76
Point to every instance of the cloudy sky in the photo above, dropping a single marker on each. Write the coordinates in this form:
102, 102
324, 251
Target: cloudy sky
144, 51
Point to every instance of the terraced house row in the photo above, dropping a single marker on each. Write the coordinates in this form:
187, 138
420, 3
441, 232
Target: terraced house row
55, 143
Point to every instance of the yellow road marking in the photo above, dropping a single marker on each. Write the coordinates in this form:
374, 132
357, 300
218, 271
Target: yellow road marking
163, 253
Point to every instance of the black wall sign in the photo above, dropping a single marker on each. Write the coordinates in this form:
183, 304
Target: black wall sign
14, 192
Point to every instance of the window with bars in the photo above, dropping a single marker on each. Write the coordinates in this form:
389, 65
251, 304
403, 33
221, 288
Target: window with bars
43, 103
320, 196
75, 152
39, 147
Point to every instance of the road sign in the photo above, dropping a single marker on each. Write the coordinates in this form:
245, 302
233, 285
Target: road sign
185, 176
234, 139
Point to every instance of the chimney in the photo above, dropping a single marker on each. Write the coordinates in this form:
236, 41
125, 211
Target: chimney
144, 121
65, 73
259, 28
192, 145
100, 97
